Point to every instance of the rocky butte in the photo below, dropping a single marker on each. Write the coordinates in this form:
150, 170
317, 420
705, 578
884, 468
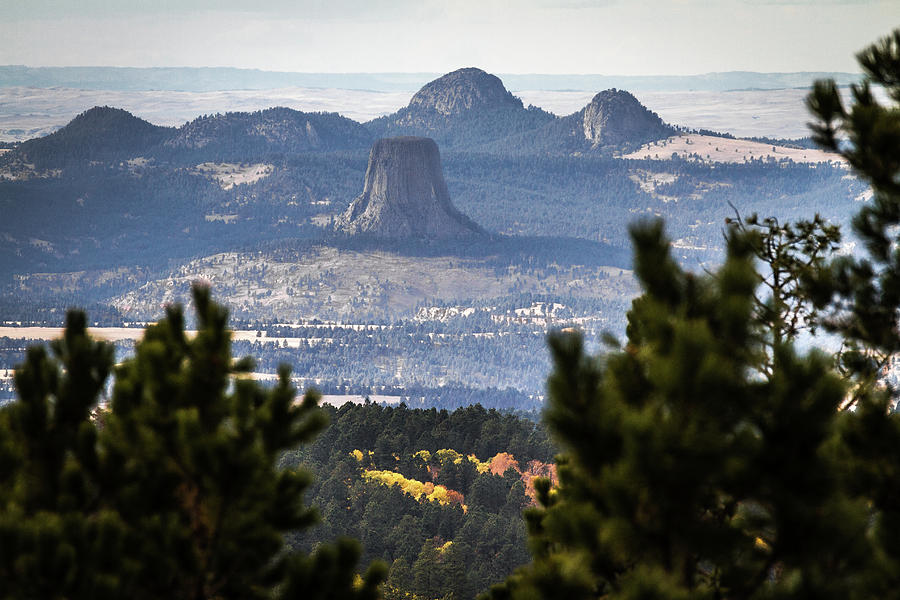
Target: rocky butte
613, 121
405, 195
616, 118
464, 90
464, 108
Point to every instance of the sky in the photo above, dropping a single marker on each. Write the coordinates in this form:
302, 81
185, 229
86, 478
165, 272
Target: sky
610, 37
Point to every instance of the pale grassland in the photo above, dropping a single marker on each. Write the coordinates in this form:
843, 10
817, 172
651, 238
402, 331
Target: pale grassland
228, 175
332, 284
717, 149
649, 181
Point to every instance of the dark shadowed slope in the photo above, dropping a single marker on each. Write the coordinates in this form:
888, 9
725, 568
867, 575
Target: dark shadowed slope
100, 133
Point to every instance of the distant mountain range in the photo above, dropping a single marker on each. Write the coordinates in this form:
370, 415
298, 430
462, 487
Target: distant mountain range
110, 199
222, 78
448, 254
465, 109
102, 133
274, 129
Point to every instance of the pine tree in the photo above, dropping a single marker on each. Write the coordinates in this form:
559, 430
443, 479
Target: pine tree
864, 294
689, 471
708, 458
170, 493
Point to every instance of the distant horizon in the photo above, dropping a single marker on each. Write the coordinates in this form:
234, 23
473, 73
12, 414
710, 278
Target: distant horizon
26, 113
638, 37
429, 73
207, 79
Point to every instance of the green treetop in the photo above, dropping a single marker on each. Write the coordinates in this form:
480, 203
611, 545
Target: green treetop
707, 458
170, 493
863, 295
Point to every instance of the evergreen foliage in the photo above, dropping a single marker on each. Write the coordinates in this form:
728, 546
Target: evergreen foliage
173, 491
279, 130
688, 470
790, 255
708, 458
101, 133
397, 478
864, 294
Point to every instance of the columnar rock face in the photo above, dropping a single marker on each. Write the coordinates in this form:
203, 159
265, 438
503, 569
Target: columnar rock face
405, 195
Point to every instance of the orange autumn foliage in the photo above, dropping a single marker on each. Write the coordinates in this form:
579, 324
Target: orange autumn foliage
537, 469
502, 462
498, 465
454, 497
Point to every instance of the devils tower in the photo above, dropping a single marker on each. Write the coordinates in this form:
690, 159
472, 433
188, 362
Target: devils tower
405, 195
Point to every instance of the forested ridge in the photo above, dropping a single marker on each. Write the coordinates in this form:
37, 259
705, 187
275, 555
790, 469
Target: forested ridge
437, 495
108, 171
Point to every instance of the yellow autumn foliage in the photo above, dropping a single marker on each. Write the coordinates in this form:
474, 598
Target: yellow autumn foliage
413, 487
448, 455
445, 455
357, 454
482, 467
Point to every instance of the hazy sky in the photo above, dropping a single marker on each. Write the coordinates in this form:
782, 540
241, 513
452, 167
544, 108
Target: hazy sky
613, 37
